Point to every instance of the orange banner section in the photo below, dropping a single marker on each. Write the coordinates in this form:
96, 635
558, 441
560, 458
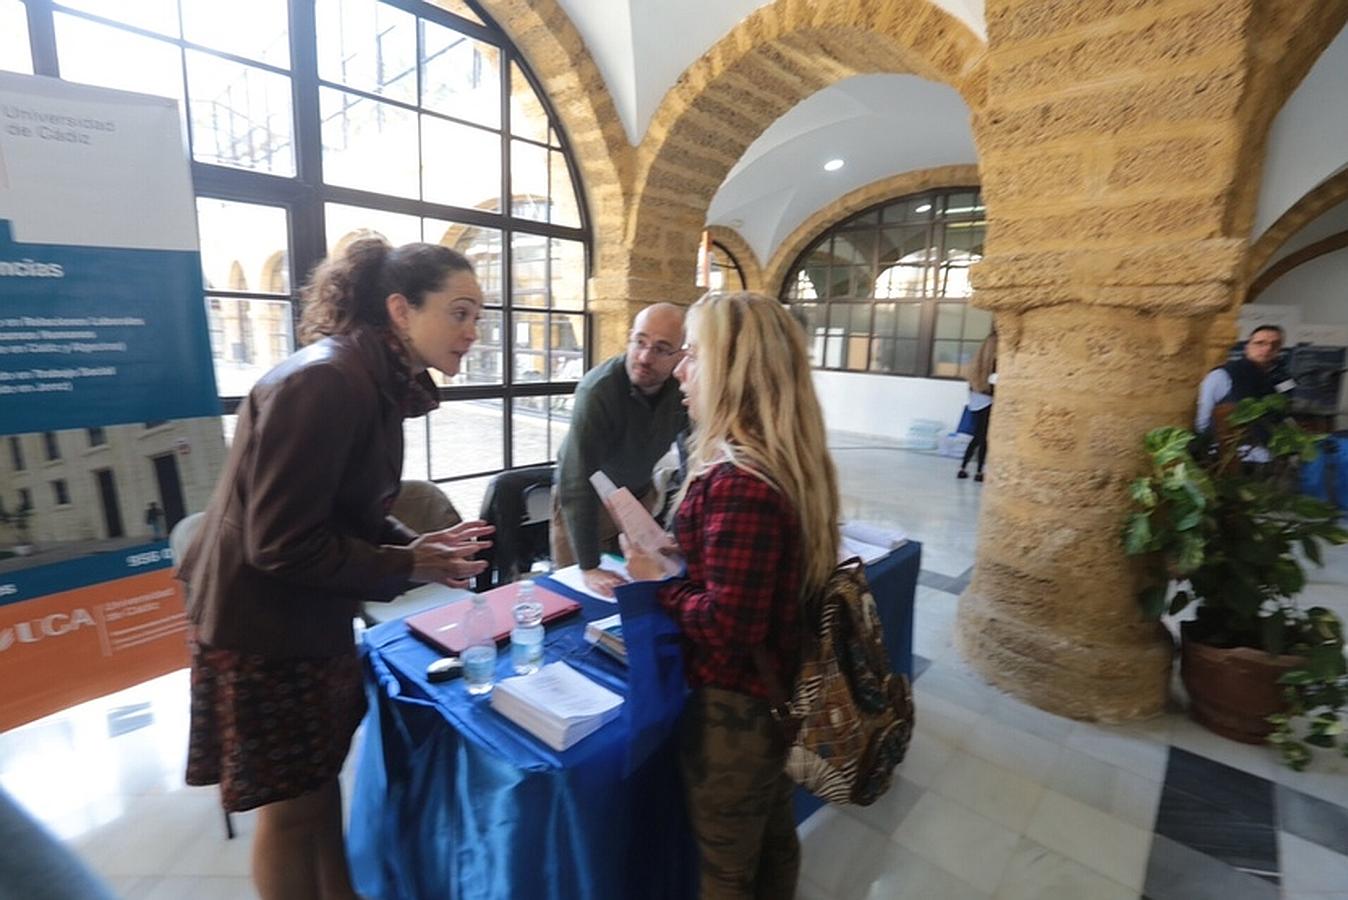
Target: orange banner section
63, 649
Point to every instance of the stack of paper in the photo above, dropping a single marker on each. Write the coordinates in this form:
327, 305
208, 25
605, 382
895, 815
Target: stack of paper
607, 635
556, 704
572, 577
869, 540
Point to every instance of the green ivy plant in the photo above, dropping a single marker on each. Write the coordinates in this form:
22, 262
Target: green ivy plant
1225, 533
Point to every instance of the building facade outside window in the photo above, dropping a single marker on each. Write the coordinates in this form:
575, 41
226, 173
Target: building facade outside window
52, 445
312, 124
887, 290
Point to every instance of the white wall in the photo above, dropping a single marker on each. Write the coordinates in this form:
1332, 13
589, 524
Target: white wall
885, 405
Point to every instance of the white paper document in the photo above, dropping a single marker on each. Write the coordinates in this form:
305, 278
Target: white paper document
869, 540
556, 704
571, 577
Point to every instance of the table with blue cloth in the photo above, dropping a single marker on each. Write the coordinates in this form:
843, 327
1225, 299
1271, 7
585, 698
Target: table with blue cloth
452, 800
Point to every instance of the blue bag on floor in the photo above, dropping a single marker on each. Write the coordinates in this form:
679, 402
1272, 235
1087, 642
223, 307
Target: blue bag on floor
1326, 476
966, 425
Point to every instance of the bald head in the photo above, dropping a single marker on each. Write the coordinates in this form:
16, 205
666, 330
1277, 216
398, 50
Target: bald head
653, 347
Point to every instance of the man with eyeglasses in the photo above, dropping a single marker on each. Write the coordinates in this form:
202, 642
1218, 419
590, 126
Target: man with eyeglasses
627, 412
1255, 374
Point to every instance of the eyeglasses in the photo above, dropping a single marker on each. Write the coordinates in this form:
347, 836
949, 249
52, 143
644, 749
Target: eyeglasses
660, 349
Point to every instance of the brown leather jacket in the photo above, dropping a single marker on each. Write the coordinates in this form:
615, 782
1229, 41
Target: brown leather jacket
297, 532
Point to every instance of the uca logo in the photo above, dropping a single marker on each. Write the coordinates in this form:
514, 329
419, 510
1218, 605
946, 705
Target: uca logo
49, 626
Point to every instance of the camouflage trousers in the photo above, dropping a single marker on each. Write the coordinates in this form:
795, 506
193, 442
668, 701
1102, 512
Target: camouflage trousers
739, 797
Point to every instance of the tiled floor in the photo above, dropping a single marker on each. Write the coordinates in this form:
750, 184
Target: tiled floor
996, 798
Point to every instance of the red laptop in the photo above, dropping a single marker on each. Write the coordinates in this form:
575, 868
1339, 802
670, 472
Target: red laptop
443, 626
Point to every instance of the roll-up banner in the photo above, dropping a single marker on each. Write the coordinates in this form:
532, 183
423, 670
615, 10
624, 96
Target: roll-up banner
109, 419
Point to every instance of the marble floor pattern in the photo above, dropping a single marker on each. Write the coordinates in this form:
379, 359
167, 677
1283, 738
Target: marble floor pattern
996, 798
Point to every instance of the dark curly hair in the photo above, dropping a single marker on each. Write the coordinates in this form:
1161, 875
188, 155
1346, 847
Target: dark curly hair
349, 291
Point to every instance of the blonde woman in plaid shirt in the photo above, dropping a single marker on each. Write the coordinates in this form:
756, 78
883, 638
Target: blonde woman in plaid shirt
758, 527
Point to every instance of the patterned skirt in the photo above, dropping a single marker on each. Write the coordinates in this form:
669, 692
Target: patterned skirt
270, 729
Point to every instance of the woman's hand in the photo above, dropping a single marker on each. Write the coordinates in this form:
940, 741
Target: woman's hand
644, 566
440, 561
464, 531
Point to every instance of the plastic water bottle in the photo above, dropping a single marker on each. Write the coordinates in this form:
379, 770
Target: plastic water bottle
526, 636
479, 657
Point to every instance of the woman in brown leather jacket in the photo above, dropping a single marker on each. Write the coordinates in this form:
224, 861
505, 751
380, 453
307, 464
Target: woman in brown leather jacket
298, 534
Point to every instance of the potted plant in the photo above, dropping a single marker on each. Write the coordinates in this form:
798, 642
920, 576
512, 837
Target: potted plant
1224, 532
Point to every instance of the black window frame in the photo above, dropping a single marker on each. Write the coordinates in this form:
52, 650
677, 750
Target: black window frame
303, 196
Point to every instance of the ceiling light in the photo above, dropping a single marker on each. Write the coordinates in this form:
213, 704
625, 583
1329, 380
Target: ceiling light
833, 165
926, 207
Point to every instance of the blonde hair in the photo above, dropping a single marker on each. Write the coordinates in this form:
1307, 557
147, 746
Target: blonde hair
755, 407
984, 364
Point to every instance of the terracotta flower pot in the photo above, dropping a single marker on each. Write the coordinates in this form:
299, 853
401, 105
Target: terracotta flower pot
1233, 691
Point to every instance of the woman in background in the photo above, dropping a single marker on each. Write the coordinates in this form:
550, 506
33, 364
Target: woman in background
297, 534
758, 527
980, 404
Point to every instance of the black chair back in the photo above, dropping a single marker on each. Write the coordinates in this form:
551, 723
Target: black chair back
518, 503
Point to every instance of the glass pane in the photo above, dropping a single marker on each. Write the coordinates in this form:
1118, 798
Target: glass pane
564, 209
964, 242
968, 350
910, 209
461, 165
256, 29
248, 338
416, 458
241, 115
459, 8
528, 117
855, 247
882, 355
806, 284
945, 359
886, 319
977, 323
482, 365
567, 348
861, 318
954, 282
840, 282
368, 145
949, 320
15, 54
529, 431
963, 205
870, 217
910, 319
568, 275
96, 54
460, 77
348, 223
863, 281
820, 254
905, 358
529, 347
368, 46
559, 424
809, 316
245, 242
905, 245
529, 270
482, 246
467, 493
467, 436
152, 15
529, 181
900, 281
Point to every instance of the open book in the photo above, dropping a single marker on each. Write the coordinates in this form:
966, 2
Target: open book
869, 540
556, 704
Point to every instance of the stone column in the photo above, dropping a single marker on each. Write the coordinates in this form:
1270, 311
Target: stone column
1111, 147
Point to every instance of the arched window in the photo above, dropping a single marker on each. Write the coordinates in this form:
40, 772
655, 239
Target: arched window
887, 289
723, 269
313, 123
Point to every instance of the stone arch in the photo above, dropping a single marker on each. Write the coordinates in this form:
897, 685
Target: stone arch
273, 274
750, 267
237, 280
769, 62
1326, 196
895, 186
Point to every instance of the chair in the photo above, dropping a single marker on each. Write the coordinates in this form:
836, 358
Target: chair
519, 504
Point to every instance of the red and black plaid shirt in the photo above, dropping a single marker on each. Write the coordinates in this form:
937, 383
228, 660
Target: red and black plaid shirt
741, 538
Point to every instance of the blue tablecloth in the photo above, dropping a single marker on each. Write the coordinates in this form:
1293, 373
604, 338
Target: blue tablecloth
451, 800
